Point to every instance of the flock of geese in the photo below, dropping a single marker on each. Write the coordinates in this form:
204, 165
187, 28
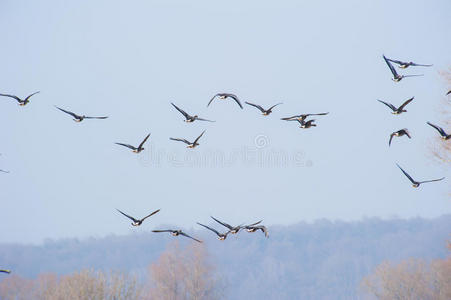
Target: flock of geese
401, 109
301, 119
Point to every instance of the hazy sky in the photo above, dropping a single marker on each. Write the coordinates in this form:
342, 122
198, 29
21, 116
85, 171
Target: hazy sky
130, 59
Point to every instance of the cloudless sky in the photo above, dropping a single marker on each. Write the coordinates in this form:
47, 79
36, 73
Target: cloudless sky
130, 59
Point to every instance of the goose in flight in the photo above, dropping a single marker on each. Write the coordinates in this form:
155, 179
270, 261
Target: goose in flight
258, 227
307, 124
302, 117
396, 76
22, 102
137, 222
405, 65
234, 229
134, 149
189, 118
190, 145
5, 271
417, 183
177, 233
440, 130
78, 118
224, 96
265, 112
221, 236
399, 133
399, 110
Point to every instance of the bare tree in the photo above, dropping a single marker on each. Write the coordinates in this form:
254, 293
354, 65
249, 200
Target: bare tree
184, 273
410, 279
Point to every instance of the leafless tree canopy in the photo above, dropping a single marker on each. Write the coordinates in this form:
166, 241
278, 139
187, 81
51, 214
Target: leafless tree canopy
410, 279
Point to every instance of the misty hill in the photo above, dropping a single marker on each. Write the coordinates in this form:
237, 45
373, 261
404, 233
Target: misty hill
320, 260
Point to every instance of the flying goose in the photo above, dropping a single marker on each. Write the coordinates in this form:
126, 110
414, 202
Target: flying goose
189, 118
224, 96
134, 149
306, 124
417, 183
302, 117
78, 118
396, 76
258, 227
399, 110
22, 102
190, 145
399, 133
221, 236
441, 131
265, 112
137, 222
405, 65
233, 229
177, 233
5, 271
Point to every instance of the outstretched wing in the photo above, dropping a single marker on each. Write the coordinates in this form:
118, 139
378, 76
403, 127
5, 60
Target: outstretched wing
142, 143
188, 236
5, 271
405, 103
236, 99
432, 180
166, 230
4, 171
222, 223
127, 145
413, 75
29, 96
130, 217
274, 105
392, 69
406, 132
96, 118
209, 228
11, 96
449, 92
150, 215
195, 141
439, 129
420, 65
255, 105
212, 99
391, 137
181, 111
392, 107
180, 140
253, 224
293, 118
68, 112
407, 175
200, 119
397, 61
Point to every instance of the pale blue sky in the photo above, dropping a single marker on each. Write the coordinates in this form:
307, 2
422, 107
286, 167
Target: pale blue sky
130, 59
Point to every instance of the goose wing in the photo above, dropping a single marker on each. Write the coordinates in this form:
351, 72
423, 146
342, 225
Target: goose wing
222, 223
407, 175
195, 141
439, 129
181, 111
255, 105
200, 119
405, 103
234, 97
142, 143
127, 145
96, 118
12, 96
130, 217
188, 236
68, 112
180, 140
392, 69
274, 105
29, 96
150, 215
213, 98
391, 137
392, 107
433, 180
209, 228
